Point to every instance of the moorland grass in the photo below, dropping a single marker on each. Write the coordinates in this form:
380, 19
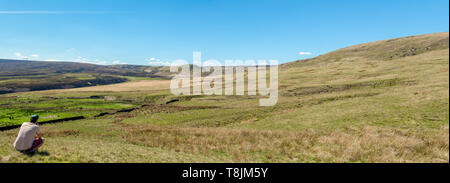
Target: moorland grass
357, 104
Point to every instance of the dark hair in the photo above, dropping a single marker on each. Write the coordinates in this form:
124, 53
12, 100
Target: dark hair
34, 118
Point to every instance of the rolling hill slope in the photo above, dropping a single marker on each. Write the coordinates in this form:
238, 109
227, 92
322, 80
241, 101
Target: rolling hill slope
384, 50
386, 101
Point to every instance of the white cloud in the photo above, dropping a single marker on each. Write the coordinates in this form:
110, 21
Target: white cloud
20, 56
81, 59
99, 62
304, 53
118, 62
156, 62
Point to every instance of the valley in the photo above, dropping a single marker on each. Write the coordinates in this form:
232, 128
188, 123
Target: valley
385, 101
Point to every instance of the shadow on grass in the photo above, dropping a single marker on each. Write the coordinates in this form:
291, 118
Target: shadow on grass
41, 153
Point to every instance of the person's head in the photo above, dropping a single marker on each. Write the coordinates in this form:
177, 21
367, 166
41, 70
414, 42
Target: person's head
34, 118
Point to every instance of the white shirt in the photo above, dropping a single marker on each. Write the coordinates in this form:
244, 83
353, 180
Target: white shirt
26, 136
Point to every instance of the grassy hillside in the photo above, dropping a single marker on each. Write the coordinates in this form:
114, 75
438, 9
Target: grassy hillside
20, 76
386, 101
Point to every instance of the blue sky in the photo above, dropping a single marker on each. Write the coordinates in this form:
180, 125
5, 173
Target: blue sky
138, 31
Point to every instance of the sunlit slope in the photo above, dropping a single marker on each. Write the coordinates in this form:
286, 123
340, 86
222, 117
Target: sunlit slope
385, 101
368, 84
385, 49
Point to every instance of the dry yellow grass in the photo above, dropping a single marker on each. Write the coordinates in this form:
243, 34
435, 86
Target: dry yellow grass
371, 144
119, 142
141, 85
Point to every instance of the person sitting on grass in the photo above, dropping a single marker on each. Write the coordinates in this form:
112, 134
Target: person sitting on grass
29, 138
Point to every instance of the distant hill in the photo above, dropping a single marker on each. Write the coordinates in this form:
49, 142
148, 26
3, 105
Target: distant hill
384, 50
23, 68
20, 75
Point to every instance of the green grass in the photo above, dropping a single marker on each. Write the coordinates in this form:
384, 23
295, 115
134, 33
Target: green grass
18, 109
